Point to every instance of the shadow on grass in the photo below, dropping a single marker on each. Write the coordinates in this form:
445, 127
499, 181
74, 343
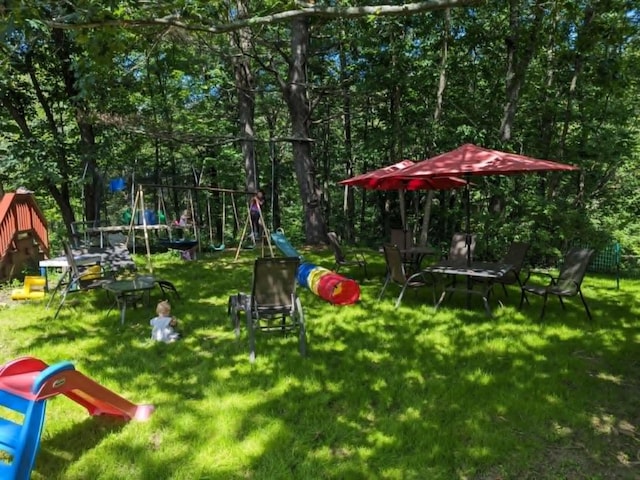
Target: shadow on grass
384, 393
68, 446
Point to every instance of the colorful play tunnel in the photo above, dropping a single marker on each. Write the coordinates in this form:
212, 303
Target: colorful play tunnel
328, 285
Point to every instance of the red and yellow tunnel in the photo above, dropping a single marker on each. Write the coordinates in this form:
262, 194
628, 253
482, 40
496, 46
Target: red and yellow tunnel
328, 285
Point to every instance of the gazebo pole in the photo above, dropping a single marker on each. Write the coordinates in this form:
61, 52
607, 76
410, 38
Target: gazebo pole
403, 210
468, 242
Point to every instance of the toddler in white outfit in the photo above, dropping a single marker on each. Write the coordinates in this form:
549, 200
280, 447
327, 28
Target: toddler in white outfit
163, 325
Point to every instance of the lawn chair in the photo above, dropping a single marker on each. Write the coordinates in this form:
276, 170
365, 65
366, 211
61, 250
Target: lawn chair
515, 256
396, 273
341, 259
273, 306
567, 283
81, 279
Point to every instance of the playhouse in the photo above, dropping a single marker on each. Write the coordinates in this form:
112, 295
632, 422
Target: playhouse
24, 239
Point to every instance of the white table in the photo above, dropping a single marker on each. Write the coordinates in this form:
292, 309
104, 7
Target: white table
63, 263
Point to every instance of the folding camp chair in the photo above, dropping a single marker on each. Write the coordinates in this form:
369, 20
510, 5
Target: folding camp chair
273, 306
340, 257
80, 278
568, 282
396, 273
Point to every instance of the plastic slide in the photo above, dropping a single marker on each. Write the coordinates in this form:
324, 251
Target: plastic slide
33, 379
328, 285
283, 245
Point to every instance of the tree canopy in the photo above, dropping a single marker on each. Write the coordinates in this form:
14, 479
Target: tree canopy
295, 97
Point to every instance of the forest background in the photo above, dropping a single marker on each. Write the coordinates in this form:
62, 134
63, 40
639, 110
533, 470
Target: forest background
293, 97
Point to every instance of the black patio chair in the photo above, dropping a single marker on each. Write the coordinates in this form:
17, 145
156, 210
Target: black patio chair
515, 256
568, 283
396, 273
273, 305
403, 239
357, 258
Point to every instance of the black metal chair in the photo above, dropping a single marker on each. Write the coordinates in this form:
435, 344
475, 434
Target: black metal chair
515, 256
568, 283
341, 259
396, 273
403, 239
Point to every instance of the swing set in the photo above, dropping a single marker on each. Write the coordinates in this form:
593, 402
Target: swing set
221, 246
215, 244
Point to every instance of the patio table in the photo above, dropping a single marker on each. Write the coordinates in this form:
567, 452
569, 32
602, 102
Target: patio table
129, 291
487, 272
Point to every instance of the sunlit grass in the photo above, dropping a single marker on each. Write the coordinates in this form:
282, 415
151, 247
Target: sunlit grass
386, 393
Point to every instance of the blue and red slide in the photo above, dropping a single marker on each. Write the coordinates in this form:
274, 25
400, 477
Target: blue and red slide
34, 380
26, 384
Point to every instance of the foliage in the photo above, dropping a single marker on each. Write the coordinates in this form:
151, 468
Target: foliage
162, 103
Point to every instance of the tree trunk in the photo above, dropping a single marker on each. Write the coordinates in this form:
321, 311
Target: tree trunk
92, 182
326, 163
547, 103
442, 83
349, 205
582, 47
295, 94
519, 55
246, 100
60, 195
276, 218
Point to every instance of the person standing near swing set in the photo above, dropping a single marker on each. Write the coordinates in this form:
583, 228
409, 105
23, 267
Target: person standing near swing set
255, 209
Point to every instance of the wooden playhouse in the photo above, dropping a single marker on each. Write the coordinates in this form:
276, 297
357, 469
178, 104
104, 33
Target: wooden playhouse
24, 239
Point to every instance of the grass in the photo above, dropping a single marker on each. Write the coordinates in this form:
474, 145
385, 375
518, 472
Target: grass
384, 393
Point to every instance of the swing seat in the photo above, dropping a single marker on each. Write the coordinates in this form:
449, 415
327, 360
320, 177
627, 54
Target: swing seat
179, 244
217, 248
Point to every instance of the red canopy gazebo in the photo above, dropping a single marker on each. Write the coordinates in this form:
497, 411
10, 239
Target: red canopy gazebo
389, 178
468, 160
386, 178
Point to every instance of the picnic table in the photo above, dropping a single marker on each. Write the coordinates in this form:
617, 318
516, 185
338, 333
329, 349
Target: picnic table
487, 272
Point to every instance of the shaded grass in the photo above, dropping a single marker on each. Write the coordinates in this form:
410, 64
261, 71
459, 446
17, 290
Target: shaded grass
384, 393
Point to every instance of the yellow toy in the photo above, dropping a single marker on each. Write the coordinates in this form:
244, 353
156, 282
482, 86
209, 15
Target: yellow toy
33, 289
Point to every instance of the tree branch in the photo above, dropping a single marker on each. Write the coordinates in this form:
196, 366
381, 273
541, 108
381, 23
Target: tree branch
310, 12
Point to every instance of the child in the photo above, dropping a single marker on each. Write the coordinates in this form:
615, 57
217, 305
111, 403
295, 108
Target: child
185, 219
164, 324
257, 201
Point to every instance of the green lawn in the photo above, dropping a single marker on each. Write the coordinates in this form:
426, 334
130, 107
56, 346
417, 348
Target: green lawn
383, 393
